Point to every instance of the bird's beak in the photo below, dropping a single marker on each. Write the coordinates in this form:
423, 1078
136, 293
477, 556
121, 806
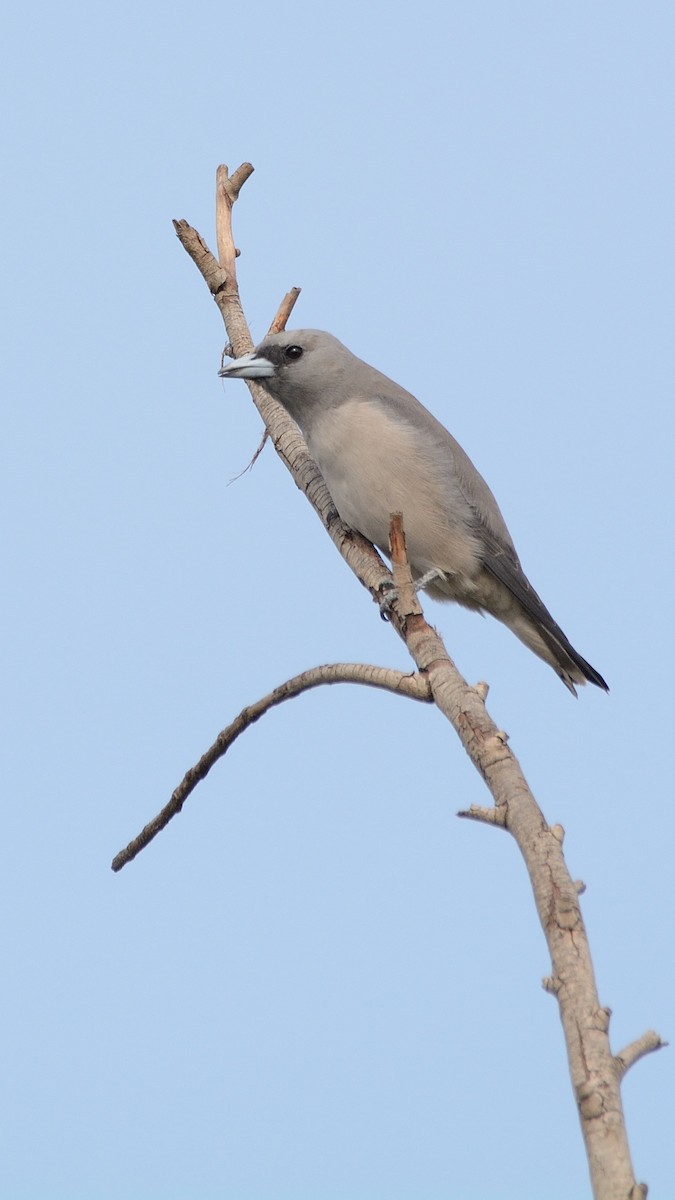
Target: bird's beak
249, 366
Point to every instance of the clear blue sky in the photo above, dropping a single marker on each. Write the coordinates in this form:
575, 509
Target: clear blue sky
311, 988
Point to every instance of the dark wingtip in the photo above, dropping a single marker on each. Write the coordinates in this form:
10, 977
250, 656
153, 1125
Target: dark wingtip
594, 676
590, 675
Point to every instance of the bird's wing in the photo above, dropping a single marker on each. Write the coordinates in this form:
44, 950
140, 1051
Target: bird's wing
505, 567
451, 461
499, 557
509, 572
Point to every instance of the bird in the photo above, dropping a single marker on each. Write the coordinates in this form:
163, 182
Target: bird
380, 451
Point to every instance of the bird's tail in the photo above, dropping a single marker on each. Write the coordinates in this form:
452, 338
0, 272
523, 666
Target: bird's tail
565, 660
531, 621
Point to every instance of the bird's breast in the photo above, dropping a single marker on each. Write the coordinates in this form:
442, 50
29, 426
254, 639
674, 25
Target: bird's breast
375, 464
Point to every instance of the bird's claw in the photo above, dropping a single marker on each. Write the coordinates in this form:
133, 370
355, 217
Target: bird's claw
388, 594
389, 591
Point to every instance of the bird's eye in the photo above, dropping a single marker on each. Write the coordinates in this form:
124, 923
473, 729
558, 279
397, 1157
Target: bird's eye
293, 352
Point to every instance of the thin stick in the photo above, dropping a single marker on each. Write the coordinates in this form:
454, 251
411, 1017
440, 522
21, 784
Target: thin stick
412, 686
284, 311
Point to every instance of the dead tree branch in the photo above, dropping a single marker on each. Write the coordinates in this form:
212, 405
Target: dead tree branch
284, 311
414, 687
595, 1072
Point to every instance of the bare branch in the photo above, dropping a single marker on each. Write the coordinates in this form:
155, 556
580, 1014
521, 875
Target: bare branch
592, 1066
413, 687
227, 191
403, 580
284, 311
221, 276
360, 555
647, 1044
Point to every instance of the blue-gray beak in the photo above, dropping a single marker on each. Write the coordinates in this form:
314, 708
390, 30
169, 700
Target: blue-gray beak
249, 366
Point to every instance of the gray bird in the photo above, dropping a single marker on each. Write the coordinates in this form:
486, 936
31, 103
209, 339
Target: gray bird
380, 451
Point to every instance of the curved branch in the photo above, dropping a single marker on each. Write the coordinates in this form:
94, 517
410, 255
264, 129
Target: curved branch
414, 687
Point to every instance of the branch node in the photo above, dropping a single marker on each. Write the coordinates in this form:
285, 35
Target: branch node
579, 887
604, 1016
481, 689
232, 184
558, 833
591, 1101
551, 984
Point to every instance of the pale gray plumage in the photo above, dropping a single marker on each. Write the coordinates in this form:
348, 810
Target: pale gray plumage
380, 451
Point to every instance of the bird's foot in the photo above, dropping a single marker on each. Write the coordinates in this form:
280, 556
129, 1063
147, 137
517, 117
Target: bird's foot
387, 598
390, 592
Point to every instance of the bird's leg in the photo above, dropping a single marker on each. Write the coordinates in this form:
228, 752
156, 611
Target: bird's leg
390, 592
427, 578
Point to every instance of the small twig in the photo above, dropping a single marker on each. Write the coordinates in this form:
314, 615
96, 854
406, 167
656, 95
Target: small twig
489, 816
647, 1044
209, 267
221, 277
408, 603
551, 984
284, 311
412, 686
